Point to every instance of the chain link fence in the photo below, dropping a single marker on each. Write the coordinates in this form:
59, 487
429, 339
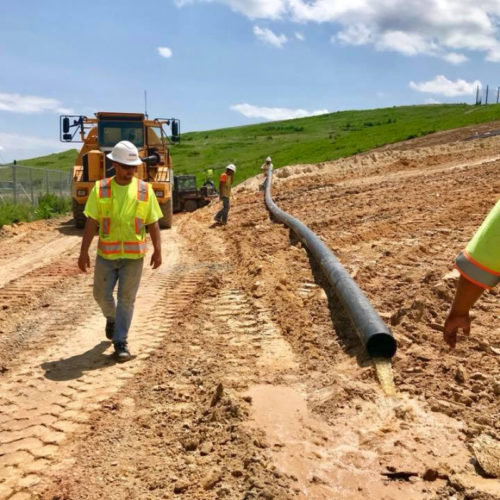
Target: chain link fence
21, 184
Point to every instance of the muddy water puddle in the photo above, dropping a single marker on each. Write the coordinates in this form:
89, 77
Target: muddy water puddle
348, 457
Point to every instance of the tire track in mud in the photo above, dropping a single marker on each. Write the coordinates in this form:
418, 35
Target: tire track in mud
253, 343
38, 254
51, 396
41, 304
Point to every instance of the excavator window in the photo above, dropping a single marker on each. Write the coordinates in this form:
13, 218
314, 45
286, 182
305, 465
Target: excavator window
112, 132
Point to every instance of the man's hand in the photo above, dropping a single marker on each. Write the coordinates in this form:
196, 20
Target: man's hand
458, 318
84, 262
453, 323
156, 259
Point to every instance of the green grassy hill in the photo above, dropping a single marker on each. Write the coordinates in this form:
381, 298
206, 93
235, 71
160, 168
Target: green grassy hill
305, 140
55, 161
319, 138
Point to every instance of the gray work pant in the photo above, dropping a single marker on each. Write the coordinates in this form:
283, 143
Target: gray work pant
221, 215
127, 272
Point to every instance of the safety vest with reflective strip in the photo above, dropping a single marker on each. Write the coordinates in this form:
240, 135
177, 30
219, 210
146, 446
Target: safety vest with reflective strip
122, 230
480, 261
225, 185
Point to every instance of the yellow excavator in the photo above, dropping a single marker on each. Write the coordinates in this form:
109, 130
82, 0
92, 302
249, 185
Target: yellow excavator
100, 134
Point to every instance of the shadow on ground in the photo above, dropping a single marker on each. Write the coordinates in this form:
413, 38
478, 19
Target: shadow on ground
75, 366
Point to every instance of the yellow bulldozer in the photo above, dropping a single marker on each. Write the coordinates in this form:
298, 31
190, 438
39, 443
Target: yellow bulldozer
100, 134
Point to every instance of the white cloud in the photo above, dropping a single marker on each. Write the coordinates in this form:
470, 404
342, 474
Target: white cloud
17, 103
299, 36
438, 28
15, 141
15, 146
409, 44
165, 52
455, 58
272, 114
432, 101
267, 36
356, 34
442, 86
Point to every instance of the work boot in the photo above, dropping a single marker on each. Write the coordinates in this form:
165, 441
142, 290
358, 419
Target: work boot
121, 352
110, 329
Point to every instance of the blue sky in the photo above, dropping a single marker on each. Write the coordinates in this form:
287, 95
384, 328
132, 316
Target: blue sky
222, 63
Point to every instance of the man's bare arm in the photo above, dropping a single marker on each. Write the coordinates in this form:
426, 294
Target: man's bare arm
154, 232
88, 235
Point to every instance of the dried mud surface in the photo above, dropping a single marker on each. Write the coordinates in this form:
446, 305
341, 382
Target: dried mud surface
248, 380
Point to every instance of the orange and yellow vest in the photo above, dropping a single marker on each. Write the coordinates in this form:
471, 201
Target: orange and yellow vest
122, 229
225, 185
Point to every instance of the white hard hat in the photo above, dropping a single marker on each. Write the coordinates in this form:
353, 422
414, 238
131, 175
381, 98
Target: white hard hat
125, 153
231, 167
268, 158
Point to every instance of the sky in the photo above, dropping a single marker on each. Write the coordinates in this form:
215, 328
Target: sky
225, 63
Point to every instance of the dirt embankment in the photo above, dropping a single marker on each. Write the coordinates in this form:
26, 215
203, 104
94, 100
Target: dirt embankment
249, 381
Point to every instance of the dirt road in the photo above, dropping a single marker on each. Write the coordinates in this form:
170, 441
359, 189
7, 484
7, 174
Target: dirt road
248, 381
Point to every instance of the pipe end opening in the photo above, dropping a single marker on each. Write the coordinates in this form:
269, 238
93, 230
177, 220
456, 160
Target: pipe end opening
381, 345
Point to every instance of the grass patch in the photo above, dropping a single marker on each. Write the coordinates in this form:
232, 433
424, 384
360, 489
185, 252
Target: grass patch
49, 205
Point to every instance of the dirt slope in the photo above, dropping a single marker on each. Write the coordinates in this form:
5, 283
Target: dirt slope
249, 381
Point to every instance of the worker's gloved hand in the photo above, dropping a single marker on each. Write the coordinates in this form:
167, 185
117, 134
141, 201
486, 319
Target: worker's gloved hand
84, 262
453, 323
156, 259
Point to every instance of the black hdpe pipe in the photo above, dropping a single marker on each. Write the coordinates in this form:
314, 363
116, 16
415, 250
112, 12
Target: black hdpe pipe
373, 332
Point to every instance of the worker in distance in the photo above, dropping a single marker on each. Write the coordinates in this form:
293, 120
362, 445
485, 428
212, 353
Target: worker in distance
225, 183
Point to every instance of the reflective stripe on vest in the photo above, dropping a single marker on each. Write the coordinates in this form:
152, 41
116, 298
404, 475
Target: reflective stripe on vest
142, 190
109, 247
134, 246
139, 225
106, 225
105, 188
475, 272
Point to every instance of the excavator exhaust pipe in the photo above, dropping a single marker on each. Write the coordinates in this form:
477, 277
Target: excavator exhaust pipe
373, 332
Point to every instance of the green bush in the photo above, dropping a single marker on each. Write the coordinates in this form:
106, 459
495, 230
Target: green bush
49, 205
10, 213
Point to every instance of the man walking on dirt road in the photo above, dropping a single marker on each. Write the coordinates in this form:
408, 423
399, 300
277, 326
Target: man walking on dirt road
121, 207
226, 179
479, 267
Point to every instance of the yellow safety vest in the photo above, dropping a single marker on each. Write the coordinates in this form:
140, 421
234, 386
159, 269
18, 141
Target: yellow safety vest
122, 230
480, 261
